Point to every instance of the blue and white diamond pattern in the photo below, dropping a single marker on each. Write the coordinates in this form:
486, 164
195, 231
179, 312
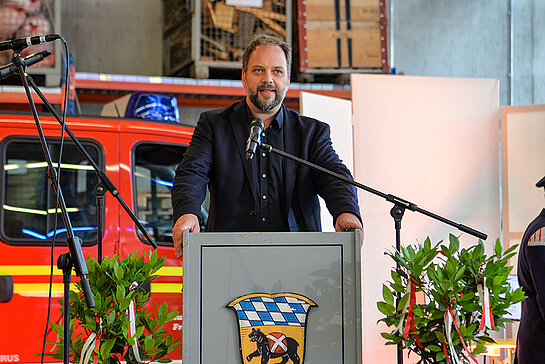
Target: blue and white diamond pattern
267, 311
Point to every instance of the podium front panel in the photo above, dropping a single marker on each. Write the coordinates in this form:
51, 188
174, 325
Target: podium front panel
225, 273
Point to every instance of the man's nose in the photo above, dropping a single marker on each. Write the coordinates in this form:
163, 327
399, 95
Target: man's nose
267, 77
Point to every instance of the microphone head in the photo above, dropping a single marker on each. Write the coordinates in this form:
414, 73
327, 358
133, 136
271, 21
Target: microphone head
257, 122
254, 140
41, 55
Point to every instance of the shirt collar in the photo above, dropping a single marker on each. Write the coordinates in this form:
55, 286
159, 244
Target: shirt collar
276, 123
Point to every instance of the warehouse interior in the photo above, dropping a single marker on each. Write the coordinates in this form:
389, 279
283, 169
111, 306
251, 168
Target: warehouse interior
500, 39
493, 39
114, 43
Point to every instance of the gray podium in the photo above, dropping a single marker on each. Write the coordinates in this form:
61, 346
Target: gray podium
297, 295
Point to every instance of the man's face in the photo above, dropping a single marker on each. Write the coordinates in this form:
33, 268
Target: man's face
266, 80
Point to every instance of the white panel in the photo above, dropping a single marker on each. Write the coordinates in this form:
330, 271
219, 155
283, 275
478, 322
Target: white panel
523, 152
338, 114
434, 142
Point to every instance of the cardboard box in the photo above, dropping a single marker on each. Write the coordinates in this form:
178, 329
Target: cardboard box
350, 45
357, 10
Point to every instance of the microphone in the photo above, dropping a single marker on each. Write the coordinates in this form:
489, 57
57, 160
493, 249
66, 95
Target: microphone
21, 43
256, 128
11, 68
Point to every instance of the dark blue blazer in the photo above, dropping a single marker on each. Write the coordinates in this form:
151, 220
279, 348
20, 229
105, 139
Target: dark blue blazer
216, 157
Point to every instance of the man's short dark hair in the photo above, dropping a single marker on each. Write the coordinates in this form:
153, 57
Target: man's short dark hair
266, 39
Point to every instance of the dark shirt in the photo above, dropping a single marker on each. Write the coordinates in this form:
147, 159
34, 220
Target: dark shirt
271, 212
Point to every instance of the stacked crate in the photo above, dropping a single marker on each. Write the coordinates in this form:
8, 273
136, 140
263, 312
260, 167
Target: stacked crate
336, 35
22, 18
205, 34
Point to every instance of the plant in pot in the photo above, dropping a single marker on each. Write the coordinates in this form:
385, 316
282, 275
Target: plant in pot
119, 327
444, 301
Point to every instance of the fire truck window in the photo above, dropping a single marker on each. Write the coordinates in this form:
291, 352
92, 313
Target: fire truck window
29, 200
154, 168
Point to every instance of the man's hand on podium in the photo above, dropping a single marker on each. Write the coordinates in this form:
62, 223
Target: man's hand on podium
347, 221
185, 222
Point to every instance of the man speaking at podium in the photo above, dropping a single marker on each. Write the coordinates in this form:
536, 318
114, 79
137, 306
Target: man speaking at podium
268, 192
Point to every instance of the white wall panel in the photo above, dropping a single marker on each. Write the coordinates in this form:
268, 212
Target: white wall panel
523, 153
434, 142
338, 114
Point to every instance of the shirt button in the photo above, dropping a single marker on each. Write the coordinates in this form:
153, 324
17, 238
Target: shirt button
264, 197
264, 175
263, 154
264, 219
263, 134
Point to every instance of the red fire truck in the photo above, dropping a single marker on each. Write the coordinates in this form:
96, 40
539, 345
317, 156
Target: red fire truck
138, 156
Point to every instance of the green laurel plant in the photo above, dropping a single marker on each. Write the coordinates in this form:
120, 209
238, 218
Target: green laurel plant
110, 281
446, 276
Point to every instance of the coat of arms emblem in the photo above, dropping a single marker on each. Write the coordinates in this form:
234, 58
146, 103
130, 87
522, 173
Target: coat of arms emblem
272, 326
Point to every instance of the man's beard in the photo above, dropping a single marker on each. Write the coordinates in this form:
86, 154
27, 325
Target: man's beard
266, 105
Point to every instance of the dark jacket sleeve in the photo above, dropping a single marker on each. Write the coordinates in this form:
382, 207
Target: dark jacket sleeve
536, 269
192, 175
338, 195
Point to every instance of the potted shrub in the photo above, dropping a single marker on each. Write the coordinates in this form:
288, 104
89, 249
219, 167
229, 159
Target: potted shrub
106, 329
449, 299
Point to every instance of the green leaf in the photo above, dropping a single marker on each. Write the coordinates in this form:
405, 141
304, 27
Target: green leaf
510, 249
478, 252
111, 318
172, 315
385, 308
149, 344
387, 295
460, 273
172, 347
498, 248
517, 295
388, 336
402, 302
454, 243
497, 281
139, 331
124, 303
120, 294
106, 348
131, 340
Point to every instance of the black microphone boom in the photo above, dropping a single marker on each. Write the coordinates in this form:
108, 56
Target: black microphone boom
11, 68
21, 43
254, 140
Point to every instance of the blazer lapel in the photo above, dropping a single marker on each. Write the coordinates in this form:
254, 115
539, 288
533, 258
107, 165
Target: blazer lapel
241, 130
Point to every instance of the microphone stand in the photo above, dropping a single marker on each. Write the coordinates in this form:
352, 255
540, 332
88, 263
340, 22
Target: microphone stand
75, 257
397, 211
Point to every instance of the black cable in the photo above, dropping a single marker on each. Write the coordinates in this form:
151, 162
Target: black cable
57, 198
